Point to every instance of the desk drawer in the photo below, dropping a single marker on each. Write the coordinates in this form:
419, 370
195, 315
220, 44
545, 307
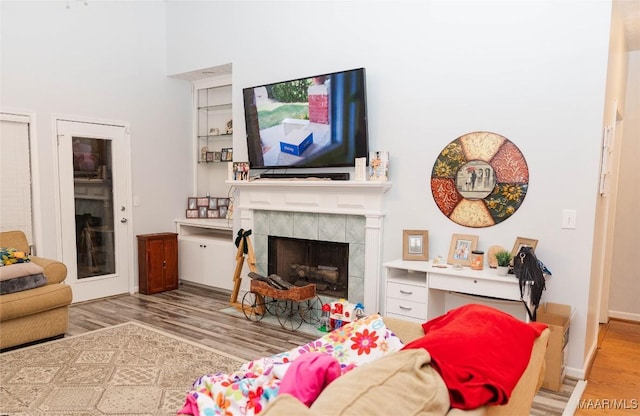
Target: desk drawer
408, 308
406, 318
406, 292
476, 286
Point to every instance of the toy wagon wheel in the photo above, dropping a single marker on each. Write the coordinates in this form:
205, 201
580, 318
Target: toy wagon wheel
253, 306
290, 314
280, 306
312, 310
271, 305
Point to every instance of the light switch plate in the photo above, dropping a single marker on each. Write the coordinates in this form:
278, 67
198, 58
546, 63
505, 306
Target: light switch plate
569, 218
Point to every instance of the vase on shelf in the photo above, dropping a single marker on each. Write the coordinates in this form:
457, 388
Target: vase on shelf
502, 270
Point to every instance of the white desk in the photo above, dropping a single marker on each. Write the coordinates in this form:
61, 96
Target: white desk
417, 291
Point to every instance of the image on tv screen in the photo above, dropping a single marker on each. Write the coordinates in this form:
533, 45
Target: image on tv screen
309, 122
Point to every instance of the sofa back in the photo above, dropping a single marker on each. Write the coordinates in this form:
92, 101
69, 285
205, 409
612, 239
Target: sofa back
14, 239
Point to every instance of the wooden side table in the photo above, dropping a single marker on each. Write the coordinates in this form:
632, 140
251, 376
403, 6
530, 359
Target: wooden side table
157, 262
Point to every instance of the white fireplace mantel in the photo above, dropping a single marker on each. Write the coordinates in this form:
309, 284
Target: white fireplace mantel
364, 198
309, 195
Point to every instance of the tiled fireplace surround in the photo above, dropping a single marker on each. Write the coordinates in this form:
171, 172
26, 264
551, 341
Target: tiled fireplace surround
338, 211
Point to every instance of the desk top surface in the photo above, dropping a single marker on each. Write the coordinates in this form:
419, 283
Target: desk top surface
428, 267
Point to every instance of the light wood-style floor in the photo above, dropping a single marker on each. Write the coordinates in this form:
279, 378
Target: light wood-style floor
615, 373
194, 313
191, 312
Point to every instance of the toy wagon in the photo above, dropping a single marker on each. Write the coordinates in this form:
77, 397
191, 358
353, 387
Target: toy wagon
291, 307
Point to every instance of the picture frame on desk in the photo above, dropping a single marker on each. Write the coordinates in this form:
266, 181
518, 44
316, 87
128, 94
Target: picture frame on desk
460, 249
203, 212
523, 242
203, 202
213, 213
192, 213
213, 203
192, 203
415, 245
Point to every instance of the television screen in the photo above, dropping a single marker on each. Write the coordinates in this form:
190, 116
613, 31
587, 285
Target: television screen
319, 121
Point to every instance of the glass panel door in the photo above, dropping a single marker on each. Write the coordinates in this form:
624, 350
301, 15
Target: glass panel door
93, 198
95, 229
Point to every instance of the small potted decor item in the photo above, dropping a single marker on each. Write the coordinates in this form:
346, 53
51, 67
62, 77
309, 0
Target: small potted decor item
503, 257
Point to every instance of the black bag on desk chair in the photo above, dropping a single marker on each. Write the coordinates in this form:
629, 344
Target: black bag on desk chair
530, 278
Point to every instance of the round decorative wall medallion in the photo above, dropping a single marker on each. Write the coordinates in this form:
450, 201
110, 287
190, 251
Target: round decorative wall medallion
479, 179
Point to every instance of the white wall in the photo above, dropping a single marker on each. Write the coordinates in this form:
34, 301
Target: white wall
106, 60
529, 71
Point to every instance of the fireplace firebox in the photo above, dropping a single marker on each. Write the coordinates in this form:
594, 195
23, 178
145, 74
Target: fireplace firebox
301, 262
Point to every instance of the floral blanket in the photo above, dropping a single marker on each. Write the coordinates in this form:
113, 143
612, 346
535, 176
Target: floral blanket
248, 390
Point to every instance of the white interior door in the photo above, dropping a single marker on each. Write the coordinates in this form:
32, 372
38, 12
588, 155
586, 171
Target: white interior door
95, 227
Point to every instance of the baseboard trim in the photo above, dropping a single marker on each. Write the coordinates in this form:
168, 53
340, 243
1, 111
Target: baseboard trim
627, 316
575, 373
574, 400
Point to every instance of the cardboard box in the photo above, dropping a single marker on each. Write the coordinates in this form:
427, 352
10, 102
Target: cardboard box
558, 318
296, 142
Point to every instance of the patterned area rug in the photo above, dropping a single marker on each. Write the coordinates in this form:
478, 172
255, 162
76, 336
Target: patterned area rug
128, 369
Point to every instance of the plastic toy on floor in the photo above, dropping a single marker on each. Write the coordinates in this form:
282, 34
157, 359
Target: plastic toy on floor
343, 312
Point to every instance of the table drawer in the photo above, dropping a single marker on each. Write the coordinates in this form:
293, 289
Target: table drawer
476, 286
408, 308
406, 292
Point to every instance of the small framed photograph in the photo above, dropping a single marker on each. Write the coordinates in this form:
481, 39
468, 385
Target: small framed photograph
227, 154
192, 213
210, 156
415, 245
217, 156
192, 203
213, 203
223, 212
523, 242
202, 212
203, 201
213, 213
241, 171
223, 202
460, 249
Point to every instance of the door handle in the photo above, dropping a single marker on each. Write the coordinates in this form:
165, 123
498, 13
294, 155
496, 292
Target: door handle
124, 220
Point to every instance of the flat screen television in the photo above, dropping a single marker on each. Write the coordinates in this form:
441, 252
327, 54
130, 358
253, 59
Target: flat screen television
313, 122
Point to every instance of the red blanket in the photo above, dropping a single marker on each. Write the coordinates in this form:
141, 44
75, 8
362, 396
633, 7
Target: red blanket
480, 352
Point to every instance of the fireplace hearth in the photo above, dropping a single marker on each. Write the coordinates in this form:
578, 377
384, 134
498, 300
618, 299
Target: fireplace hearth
300, 262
